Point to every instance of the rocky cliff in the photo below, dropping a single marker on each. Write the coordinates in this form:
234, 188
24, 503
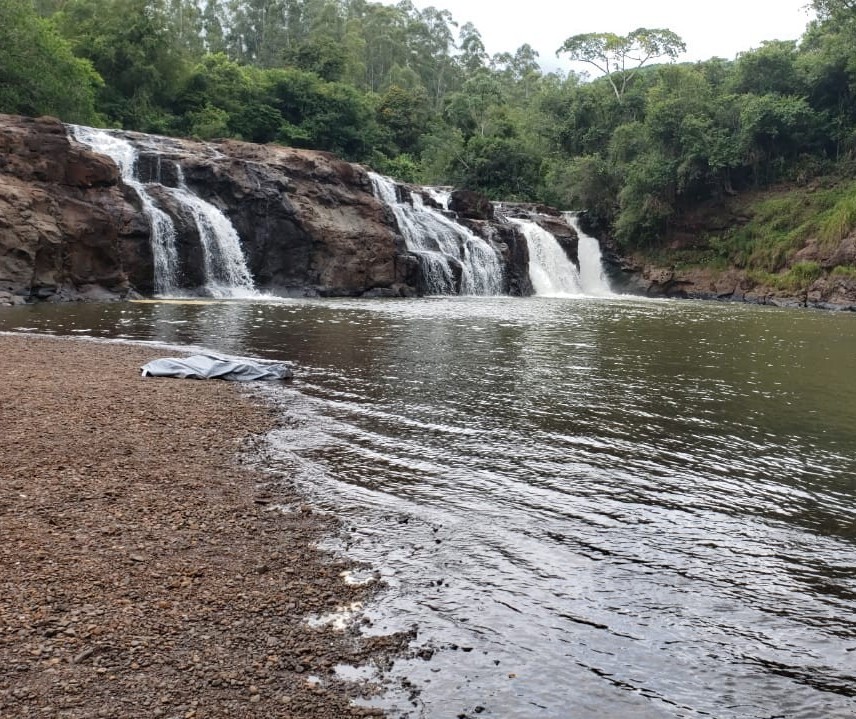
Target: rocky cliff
71, 228
308, 223
64, 216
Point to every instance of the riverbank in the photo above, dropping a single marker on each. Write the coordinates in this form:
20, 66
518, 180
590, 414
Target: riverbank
143, 570
789, 245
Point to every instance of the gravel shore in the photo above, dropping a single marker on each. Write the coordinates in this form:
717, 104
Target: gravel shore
144, 572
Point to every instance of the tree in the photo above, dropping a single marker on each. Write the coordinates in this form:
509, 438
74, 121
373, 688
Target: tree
771, 68
134, 46
619, 57
472, 108
38, 73
402, 116
473, 55
834, 8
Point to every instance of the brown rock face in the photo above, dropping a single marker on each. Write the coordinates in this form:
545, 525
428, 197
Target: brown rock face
307, 219
471, 205
63, 216
71, 229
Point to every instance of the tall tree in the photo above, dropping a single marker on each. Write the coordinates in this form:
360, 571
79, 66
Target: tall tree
620, 57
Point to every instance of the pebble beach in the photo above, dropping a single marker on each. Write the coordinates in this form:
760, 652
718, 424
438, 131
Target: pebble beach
146, 568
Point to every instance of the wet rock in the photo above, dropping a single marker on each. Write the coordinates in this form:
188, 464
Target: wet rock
72, 229
471, 205
63, 210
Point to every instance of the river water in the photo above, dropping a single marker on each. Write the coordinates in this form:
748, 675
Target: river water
591, 508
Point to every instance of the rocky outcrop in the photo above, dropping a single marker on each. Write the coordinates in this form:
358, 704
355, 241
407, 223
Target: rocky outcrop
70, 228
307, 222
64, 217
830, 291
817, 275
471, 205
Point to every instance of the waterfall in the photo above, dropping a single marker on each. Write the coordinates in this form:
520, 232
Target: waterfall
551, 271
440, 195
225, 267
124, 154
443, 247
226, 271
592, 277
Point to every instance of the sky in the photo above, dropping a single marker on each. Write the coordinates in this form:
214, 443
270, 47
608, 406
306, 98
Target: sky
722, 28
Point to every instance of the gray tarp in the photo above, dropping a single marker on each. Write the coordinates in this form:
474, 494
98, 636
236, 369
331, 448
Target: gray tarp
214, 367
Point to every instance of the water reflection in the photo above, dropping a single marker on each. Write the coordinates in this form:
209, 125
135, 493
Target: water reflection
590, 507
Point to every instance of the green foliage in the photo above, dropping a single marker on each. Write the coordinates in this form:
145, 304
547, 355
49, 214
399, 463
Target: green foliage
402, 167
798, 278
39, 75
208, 122
772, 68
590, 182
778, 227
781, 224
846, 271
838, 222
835, 9
256, 122
402, 116
501, 167
136, 48
647, 200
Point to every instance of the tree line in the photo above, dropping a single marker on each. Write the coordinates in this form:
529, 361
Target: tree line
415, 94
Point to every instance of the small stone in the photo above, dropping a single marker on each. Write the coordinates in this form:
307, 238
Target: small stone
84, 655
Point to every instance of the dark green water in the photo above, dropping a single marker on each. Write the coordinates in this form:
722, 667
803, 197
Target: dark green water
619, 508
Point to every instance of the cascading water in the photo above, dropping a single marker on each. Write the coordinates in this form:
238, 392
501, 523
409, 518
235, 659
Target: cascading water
440, 195
442, 246
226, 271
124, 154
592, 277
551, 272
225, 267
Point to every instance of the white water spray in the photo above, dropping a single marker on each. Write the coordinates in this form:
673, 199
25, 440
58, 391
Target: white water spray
440, 195
551, 272
442, 245
226, 271
592, 277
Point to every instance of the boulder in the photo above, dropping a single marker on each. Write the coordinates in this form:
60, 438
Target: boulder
471, 205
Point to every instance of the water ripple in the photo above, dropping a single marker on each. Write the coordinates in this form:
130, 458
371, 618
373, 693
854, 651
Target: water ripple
591, 508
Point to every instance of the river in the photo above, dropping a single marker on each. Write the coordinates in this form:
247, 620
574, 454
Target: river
590, 508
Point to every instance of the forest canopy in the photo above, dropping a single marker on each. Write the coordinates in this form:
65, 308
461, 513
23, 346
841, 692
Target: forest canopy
414, 94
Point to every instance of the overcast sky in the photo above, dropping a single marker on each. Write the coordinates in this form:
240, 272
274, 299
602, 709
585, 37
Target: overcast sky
721, 28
